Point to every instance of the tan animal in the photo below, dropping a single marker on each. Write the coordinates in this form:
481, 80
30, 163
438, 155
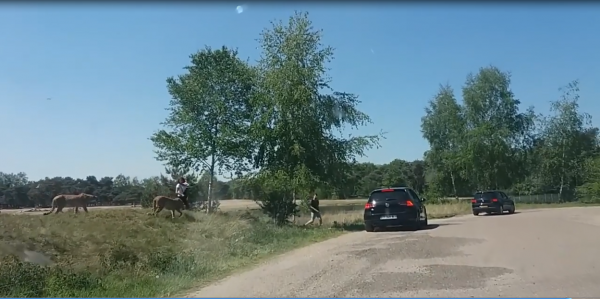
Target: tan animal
80, 200
172, 204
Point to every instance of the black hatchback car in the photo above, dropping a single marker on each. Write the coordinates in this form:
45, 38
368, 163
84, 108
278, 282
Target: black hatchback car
492, 202
398, 206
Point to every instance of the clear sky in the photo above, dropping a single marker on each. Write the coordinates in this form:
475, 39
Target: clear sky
103, 67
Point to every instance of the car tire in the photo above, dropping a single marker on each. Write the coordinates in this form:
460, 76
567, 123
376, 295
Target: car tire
416, 225
369, 228
512, 210
501, 210
475, 213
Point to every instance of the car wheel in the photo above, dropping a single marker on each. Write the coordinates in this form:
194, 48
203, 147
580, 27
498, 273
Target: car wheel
500, 210
369, 228
416, 225
424, 222
475, 213
512, 210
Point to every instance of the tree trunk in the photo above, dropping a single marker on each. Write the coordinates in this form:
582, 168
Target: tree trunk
562, 175
294, 201
211, 173
453, 184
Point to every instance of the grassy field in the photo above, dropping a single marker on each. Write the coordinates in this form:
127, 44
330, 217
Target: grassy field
127, 253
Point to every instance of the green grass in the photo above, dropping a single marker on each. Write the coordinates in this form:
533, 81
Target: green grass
127, 253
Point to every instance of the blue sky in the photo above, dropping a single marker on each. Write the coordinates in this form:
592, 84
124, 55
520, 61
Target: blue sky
104, 68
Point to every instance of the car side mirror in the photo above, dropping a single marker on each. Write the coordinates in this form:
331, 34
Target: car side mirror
423, 199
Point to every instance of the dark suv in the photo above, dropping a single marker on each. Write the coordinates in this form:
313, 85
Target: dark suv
492, 202
398, 206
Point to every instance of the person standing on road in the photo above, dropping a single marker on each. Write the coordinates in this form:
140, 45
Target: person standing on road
314, 210
181, 191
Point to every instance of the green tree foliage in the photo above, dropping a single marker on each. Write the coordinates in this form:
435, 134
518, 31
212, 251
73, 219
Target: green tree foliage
569, 141
444, 127
209, 116
487, 142
298, 116
589, 191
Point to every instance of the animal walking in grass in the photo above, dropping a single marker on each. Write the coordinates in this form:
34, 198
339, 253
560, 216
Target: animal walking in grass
80, 200
172, 204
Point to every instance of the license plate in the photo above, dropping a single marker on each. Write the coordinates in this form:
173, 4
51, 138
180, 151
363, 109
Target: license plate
483, 206
388, 217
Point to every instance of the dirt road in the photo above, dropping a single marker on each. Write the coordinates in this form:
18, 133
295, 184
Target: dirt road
535, 253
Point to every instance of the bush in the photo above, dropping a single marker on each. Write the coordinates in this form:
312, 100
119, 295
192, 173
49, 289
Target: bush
23, 279
589, 192
278, 207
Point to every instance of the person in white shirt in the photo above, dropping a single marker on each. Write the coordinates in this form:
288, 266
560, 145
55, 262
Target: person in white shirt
181, 191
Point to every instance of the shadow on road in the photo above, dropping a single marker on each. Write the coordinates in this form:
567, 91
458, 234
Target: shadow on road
355, 227
408, 229
504, 214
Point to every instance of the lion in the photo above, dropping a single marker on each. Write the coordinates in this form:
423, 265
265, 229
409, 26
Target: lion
172, 204
77, 201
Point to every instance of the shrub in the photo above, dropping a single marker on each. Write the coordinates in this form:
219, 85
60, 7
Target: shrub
23, 279
278, 207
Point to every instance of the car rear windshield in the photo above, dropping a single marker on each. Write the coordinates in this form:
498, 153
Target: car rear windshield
486, 195
399, 194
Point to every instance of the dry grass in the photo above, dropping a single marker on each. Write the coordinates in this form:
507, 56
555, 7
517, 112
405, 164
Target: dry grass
237, 204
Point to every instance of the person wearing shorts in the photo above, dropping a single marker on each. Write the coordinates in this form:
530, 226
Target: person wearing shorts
314, 210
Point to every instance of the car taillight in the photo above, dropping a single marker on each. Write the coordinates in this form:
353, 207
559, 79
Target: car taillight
409, 203
474, 200
368, 206
495, 200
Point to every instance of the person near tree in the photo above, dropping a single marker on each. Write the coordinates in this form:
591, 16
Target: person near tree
181, 191
314, 210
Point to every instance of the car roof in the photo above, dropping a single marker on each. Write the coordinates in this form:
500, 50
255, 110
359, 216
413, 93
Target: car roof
393, 188
485, 191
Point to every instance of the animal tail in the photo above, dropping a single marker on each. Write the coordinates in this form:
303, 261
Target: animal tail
53, 205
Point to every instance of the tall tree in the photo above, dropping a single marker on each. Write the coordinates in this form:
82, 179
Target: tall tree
298, 124
443, 126
208, 124
494, 127
568, 140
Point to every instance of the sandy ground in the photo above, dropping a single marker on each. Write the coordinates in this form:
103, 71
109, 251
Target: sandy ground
534, 253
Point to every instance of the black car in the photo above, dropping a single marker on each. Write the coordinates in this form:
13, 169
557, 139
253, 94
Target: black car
491, 202
399, 206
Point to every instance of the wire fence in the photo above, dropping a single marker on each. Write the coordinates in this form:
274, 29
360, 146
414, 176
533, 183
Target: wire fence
543, 198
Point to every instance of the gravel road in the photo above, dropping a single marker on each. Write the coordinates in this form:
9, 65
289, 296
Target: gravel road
534, 253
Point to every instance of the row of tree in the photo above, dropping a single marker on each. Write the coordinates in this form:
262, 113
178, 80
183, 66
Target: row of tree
488, 142
274, 129
16, 190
